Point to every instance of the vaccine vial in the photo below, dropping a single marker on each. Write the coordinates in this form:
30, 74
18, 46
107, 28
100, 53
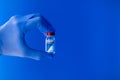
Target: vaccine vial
50, 42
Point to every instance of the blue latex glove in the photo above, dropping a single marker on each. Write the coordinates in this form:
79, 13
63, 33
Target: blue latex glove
12, 34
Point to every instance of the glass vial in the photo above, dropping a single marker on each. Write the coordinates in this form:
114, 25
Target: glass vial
50, 42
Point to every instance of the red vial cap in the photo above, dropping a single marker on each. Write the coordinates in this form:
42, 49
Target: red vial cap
50, 33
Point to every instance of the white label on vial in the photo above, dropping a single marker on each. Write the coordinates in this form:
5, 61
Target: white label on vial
49, 41
50, 49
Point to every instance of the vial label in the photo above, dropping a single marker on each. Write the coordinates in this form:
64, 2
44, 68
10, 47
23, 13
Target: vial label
50, 46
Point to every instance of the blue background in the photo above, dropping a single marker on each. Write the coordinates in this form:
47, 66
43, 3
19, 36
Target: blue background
87, 40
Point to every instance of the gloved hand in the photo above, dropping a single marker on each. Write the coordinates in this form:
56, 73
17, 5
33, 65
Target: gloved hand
12, 34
